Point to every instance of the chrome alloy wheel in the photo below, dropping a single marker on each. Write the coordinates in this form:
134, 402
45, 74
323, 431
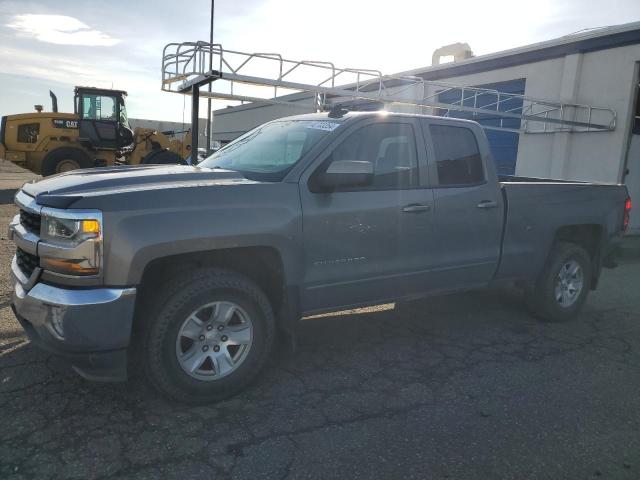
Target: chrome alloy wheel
214, 340
569, 283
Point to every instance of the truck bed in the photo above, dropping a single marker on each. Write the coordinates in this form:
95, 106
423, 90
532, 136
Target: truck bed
537, 208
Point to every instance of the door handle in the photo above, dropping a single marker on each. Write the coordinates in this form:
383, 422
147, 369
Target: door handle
487, 204
416, 208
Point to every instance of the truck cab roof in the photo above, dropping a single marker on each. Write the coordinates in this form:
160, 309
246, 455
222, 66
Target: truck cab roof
353, 115
100, 91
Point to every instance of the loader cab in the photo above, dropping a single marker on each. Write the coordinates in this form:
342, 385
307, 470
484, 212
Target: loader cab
102, 118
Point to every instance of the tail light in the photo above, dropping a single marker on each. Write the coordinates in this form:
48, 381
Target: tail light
625, 216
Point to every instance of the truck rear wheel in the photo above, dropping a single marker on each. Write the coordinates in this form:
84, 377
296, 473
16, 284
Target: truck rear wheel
64, 160
563, 285
211, 334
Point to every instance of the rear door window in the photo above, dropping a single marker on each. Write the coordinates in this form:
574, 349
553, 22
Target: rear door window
458, 158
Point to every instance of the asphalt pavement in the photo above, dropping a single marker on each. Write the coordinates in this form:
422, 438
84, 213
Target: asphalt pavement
466, 386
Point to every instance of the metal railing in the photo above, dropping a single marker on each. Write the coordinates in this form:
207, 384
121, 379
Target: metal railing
187, 64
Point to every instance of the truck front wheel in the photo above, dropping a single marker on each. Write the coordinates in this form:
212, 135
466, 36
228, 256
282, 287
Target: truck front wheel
210, 336
563, 285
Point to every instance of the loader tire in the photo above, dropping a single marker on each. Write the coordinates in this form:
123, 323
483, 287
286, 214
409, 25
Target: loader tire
64, 160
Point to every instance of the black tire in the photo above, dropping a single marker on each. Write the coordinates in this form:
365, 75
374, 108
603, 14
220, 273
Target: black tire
541, 300
163, 157
174, 304
65, 156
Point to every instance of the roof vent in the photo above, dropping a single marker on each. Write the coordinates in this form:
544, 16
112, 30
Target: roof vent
459, 51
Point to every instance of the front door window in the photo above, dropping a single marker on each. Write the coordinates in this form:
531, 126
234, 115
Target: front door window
99, 107
99, 122
391, 147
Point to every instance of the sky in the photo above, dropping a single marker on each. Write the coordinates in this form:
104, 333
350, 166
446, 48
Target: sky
57, 44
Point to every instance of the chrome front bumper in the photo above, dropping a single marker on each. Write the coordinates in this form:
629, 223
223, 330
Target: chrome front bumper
91, 326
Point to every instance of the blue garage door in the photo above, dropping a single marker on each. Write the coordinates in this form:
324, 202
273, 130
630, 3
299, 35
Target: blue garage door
504, 145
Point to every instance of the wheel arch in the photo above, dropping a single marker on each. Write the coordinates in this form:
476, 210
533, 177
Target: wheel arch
261, 264
588, 236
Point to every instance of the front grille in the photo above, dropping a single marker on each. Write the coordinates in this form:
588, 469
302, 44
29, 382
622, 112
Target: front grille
30, 221
26, 262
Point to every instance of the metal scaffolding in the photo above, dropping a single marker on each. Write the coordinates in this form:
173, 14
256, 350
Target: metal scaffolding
189, 65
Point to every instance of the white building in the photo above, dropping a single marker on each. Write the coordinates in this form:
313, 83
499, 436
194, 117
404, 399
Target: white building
598, 68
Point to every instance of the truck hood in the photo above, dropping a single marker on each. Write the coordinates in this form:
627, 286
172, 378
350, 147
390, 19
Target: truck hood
61, 191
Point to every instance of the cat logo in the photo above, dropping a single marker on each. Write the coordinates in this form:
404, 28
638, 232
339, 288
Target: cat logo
62, 123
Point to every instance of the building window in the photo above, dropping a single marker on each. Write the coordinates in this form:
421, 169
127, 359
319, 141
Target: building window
28, 133
458, 158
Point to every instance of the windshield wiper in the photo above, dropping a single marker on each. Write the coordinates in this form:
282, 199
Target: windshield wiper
218, 167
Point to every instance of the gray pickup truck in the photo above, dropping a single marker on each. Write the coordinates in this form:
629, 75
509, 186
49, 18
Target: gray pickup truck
193, 271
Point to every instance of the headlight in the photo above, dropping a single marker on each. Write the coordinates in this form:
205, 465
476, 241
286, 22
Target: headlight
71, 242
64, 229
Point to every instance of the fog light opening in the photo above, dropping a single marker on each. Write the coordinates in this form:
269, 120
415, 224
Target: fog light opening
56, 323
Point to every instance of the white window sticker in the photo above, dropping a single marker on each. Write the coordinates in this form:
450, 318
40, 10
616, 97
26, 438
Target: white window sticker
319, 125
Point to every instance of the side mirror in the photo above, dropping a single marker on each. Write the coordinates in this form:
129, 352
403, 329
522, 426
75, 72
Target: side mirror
346, 173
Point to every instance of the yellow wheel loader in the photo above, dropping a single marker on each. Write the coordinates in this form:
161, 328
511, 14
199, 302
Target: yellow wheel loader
96, 134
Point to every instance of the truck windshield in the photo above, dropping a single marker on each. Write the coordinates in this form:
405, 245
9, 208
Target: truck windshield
268, 152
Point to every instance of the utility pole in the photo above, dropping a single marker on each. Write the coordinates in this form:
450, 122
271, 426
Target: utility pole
195, 113
209, 123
